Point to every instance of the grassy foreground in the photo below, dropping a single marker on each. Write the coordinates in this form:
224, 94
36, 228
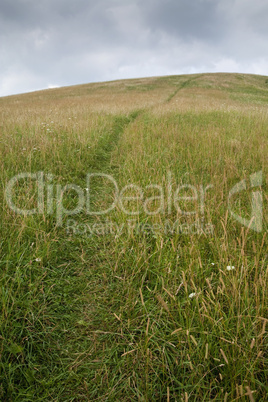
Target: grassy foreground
164, 298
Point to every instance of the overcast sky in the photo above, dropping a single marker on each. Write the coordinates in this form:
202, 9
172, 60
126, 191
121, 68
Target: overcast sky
47, 43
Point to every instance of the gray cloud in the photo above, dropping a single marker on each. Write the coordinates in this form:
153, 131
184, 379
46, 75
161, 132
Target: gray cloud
186, 19
62, 42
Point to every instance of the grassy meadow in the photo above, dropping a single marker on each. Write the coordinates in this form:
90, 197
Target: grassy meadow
164, 297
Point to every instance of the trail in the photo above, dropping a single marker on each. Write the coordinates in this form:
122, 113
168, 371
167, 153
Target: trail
182, 86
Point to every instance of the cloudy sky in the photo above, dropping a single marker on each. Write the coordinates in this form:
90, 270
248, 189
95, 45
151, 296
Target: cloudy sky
47, 43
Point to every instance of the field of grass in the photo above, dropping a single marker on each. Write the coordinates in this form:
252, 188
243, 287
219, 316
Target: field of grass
164, 297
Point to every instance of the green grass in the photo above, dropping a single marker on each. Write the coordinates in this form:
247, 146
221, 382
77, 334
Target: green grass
128, 314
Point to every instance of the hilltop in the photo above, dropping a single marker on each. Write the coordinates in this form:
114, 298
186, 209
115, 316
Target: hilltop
213, 88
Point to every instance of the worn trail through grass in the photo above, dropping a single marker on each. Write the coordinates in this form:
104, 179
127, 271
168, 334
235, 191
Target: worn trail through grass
48, 322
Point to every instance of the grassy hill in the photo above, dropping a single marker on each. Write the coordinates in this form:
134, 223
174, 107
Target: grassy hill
134, 241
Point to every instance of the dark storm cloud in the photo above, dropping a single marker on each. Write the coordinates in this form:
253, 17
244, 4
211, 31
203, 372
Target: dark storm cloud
64, 42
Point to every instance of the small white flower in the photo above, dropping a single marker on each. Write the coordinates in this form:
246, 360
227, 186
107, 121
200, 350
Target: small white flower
212, 263
87, 190
38, 259
230, 268
191, 295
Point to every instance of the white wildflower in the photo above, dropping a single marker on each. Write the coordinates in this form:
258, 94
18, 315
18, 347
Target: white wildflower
191, 295
38, 259
230, 268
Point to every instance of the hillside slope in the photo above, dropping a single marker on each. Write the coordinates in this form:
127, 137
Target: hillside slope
134, 241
